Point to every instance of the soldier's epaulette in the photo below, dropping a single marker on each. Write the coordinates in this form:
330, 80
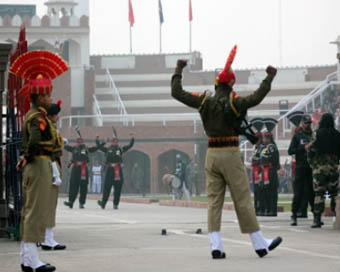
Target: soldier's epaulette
42, 123
196, 94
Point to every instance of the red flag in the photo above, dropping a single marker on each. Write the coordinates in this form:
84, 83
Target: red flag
190, 11
131, 16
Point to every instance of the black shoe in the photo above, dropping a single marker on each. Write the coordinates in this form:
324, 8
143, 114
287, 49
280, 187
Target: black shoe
274, 244
294, 221
217, 254
68, 204
261, 252
57, 247
115, 207
45, 268
100, 203
81, 206
316, 222
26, 268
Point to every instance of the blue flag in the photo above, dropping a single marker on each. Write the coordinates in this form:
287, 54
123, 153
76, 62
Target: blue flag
160, 9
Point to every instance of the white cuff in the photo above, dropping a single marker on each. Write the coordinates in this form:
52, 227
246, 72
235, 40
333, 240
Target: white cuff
55, 170
57, 181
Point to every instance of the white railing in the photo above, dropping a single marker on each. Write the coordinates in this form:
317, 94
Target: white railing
115, 94
305, 101
97, 112
132, 119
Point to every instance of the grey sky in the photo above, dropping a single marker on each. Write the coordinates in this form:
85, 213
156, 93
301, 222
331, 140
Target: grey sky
308, 26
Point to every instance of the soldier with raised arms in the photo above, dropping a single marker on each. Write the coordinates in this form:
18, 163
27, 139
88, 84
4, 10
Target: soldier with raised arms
223, 165
79, 179
114, 166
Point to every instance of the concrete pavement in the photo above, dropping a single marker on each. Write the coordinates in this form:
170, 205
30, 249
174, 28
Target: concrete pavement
129, 239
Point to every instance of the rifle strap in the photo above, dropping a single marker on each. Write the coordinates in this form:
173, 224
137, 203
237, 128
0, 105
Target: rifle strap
232, 106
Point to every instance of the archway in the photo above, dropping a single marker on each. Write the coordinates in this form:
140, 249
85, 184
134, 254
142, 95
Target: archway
143, 162
167, 165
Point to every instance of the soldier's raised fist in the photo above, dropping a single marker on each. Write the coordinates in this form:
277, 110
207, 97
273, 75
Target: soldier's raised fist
271, 70
181, 63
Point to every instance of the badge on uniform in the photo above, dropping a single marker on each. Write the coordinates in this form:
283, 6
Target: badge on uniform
42, 124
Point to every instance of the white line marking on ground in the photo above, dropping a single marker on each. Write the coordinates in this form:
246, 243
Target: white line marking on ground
114, 219
297, 230
305, 252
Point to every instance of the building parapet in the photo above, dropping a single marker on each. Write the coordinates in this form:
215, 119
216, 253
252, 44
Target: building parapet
45, 21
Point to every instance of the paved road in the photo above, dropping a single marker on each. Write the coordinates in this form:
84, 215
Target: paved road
129, 239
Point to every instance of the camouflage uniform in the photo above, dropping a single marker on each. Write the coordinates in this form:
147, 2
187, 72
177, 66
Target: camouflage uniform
325, 177
323, 157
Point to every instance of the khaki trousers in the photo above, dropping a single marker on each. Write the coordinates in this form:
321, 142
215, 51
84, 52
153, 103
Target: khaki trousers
224, 167
37, 184
50, 223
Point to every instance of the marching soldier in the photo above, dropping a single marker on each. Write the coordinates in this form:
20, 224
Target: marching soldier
114, 174
303, 183
323, 156
224, 164
38, 140
50, 243
79, 179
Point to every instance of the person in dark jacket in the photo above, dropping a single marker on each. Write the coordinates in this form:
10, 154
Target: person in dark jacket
303, 183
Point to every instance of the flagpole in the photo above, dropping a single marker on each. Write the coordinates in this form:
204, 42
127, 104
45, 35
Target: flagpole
130, 40
190, 36
280, 32
190, 21
160, 38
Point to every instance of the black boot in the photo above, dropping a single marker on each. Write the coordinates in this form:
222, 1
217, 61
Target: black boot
317, 221
26, 268
217, 254
294, 220
274, 244
69, 204
100, 203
